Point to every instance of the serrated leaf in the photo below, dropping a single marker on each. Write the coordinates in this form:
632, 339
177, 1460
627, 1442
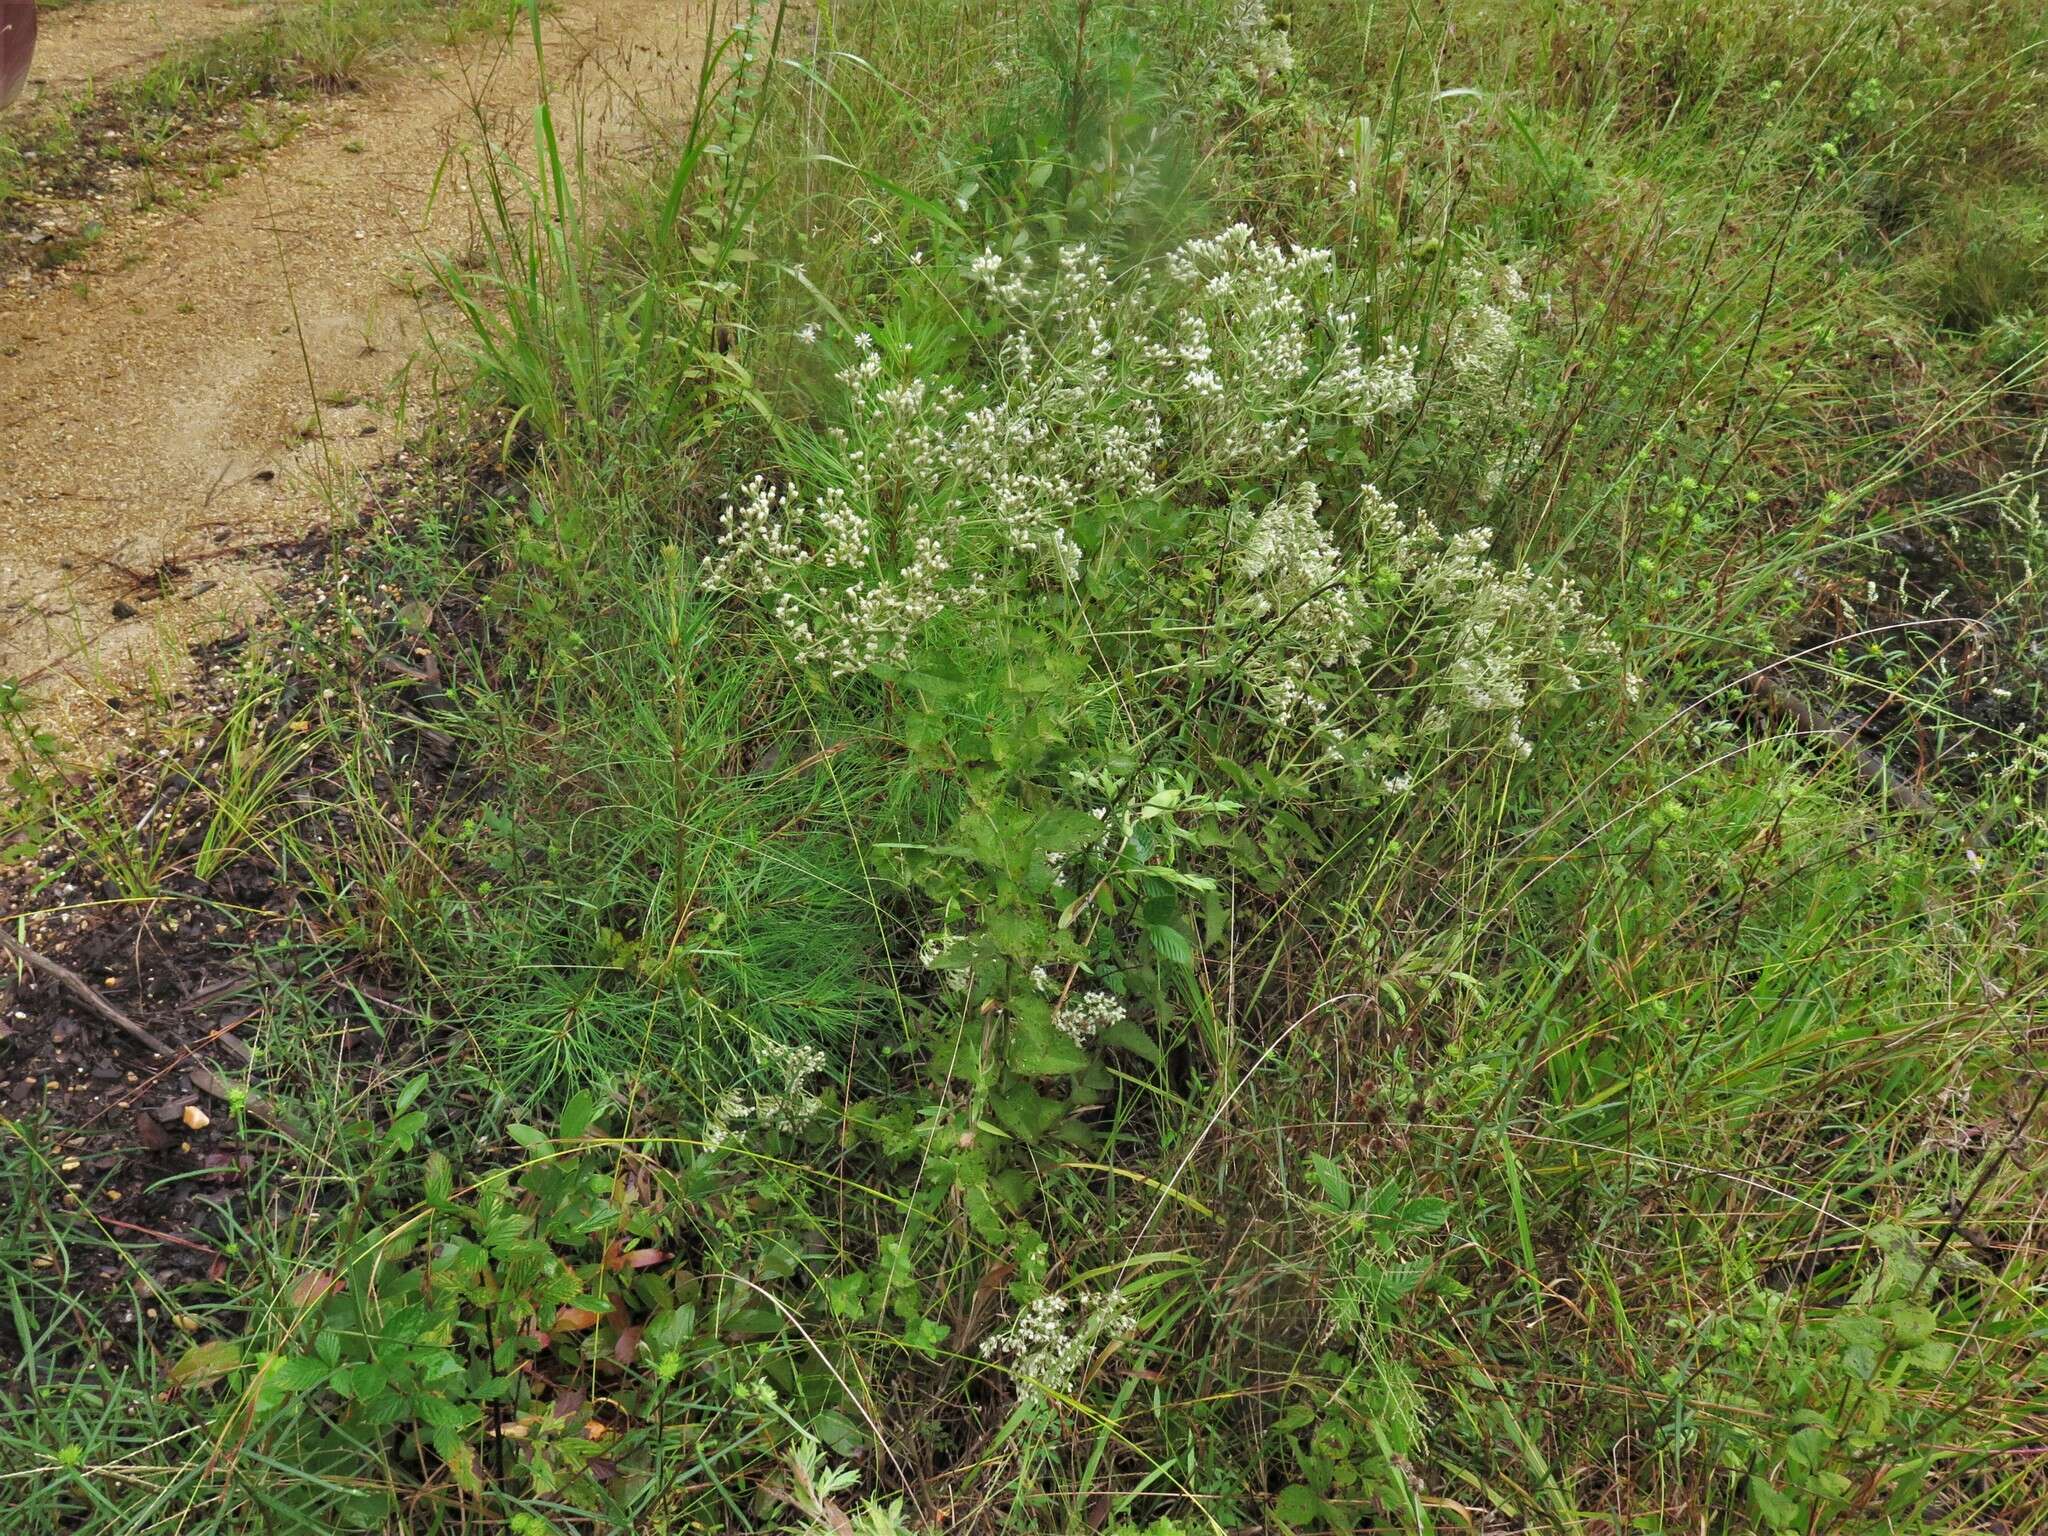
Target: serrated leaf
1135, 1039
439, 1412
301, 1374
1297, 1505
1024, 1112
1425, 1214
439, 1180
1170, 944
1065, 831
1037, 1049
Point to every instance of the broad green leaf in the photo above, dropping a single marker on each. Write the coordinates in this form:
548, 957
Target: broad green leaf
1170, 944
1037, 1049
1297, 1505
1135, 1039
577, 1115
300, 1374
204, 1364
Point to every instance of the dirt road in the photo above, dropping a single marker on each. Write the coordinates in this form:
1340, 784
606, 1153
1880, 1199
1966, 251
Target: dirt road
88, 44
209, 388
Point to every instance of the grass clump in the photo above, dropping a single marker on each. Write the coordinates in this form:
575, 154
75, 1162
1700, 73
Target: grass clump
1170, 817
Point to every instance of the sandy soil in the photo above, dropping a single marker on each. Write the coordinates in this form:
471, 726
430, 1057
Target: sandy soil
208, 393
106, 39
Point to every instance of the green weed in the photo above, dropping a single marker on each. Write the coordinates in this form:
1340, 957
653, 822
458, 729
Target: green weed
1152, 798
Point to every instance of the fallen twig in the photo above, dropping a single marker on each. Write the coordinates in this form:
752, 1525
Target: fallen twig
162, 1237
203, 1077
1868, 762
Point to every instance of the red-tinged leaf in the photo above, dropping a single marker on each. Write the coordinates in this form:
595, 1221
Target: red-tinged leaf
626, 1345
575, 1319
566, 1402
204, 1364
619, 1256
313, 1286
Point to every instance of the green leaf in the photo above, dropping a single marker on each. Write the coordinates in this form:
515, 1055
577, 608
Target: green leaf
204, 1364
439, 1178
840, 1433
1037, 1049
1331, 1178
439, 1412
300, 1374
1778, 1511
1170, 944
1024, 1112
1066, 831
1934, 1355
529, 1138
461, 1461
846, 1295
1135, 1039
577, 1115
1425, 1214
1297, 1505
1805, 1447
1912, 1326
925, 1335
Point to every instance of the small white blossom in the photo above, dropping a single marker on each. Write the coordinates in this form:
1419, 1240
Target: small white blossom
1051, 1341
1081, 1017
789, 1106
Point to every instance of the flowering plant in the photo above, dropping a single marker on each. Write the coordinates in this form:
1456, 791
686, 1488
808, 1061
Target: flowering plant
1192, 430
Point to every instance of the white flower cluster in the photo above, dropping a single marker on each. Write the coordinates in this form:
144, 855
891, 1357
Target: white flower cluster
1253, 361
1081, 1017
1051, 1340
1487, 631
1297, 575
1486, 374
789, 1107
1236, 370
931, 954
1217, 362
1266, 50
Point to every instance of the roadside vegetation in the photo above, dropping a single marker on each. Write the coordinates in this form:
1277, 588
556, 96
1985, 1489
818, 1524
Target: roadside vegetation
196, 113
1144, 769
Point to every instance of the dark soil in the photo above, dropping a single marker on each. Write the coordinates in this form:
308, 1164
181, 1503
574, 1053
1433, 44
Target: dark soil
1926, 644
150, 1203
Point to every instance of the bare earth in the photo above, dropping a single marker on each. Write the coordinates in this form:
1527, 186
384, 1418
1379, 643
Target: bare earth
212, 389
92, 44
